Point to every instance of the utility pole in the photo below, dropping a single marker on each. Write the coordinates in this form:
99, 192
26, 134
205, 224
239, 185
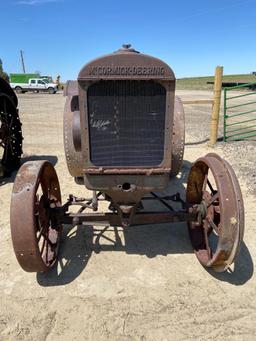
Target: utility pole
22, 61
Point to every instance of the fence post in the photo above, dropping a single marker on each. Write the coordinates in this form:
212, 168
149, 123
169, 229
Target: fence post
216, 105
225, 115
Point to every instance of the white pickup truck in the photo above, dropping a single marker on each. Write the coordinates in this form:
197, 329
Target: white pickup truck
35, 84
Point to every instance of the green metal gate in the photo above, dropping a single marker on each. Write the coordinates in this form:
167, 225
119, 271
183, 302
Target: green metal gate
240, 112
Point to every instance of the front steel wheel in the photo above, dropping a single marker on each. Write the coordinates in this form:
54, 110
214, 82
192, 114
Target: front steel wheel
35, 231
217, 233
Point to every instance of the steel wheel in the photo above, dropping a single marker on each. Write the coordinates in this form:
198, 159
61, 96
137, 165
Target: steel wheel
217, 233
10, 130
35, 233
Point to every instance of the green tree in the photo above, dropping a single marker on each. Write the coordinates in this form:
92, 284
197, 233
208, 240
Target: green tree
2, 73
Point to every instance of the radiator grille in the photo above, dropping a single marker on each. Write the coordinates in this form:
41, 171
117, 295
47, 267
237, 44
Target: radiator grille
126, 123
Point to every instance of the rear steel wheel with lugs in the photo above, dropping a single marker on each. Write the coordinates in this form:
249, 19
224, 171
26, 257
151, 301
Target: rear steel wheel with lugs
35, 232
217, 233
10, 130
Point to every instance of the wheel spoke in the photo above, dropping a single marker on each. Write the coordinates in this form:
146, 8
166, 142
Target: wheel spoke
213, 198
47, 248
207, 242
40, 235
42, 247
212, 224
205, 182
210, 186
41, 232
48, 239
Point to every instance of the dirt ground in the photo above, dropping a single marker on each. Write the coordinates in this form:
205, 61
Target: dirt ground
142, 283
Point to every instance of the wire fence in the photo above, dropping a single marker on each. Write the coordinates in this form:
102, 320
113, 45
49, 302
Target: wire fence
197, 123
42, 120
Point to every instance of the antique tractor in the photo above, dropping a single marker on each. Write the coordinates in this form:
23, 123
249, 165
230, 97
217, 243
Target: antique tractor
124, 138
10, 130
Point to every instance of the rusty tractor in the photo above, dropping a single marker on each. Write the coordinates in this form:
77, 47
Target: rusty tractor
124, 139
10, 130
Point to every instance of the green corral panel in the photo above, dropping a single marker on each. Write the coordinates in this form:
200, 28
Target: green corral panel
240, 112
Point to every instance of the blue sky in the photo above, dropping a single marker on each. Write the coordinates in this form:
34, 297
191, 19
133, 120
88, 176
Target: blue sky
60, 36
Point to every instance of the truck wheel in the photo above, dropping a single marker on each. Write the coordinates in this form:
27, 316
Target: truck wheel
51, 91
18, 89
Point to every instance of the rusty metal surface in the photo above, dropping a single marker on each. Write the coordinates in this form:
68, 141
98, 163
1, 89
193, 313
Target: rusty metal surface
10, 130
76, 131
73, 158
125, 215
214, 206
218, 231
85, 136
126, 63
126, 121
146, 171
113, 219
71, 88
129, 65
35, 235
178, 137
239, 207
219, 212
139, 185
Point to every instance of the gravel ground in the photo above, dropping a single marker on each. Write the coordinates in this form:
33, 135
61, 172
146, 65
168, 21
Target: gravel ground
242, 156
141, 283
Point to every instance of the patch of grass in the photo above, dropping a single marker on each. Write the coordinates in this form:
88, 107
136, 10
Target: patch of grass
200, 83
